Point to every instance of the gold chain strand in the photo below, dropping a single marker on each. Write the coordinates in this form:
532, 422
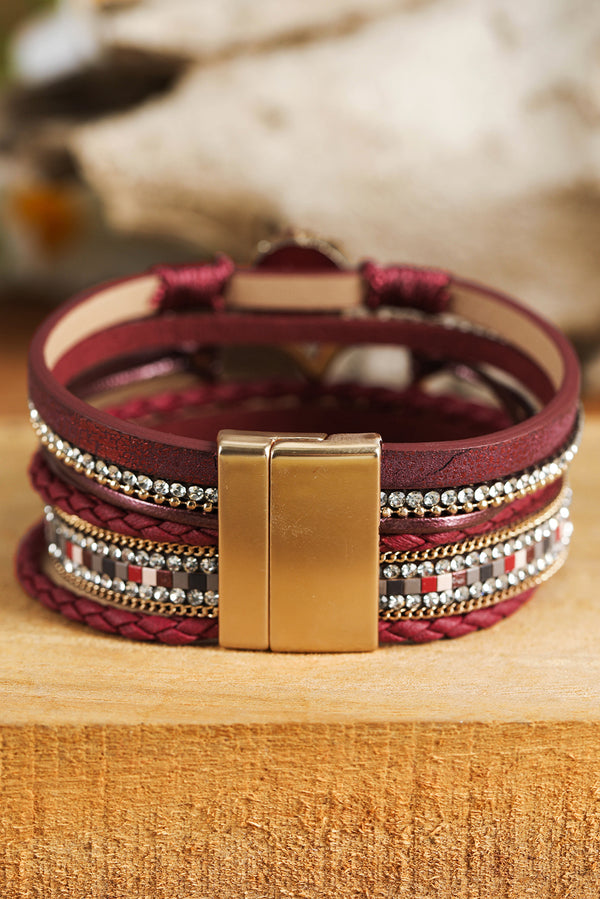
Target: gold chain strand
109, 597
480, 602
150, 606
482, 542
139, 543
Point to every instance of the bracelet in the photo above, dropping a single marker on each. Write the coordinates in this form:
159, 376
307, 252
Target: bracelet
205, 477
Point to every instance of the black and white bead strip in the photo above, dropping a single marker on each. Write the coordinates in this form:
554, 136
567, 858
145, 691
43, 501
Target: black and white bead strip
155, 490
184, 581
436, 586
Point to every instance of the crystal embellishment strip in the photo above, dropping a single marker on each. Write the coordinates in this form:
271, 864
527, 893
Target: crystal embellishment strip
395, 503
142, 486
162, 578
404, 503
459, 581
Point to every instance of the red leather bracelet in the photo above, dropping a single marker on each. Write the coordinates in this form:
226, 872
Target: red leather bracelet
324, 543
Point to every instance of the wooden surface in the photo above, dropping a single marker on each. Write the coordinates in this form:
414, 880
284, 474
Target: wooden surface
468, 768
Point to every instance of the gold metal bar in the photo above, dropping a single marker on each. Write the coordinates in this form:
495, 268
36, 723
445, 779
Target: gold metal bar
324, 544
244, 539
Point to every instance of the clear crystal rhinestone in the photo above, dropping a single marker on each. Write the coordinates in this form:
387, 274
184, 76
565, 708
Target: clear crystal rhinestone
502, 582
449, 497
497, 551
102, 548
461, 594
509, 548
567, 531
91, 544
446, 597
396, 499
523, 573
442, 566
517, 545
53, 550
129, 479
431, 499
211, 598
553, 524
465, 495
211, 495
196, 494
156, 560
144, 483
96, 578
177, 595
528, 539
209, 564
414, 499
161, 594
412, 600
541, 564
113, 473
146, 591
142, 558
549, 557
538, 534
472, 560
531, 569
497, 489
488, 586
195, 597
114, 553
383, 603
178, 490
485, 557
408, 569
131, 588
78, 571
127, 555
118, 585
481, 493
49, 513
476, 589
431, 600
190, 564
513, 578
393, 601
161, 487
425, 569
101, 468
383, 499
174, 563
391, 571
457, 563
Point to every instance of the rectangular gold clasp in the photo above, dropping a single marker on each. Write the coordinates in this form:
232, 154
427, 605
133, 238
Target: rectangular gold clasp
299, 541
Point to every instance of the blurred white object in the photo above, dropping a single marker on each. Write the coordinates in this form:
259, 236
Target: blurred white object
55, 43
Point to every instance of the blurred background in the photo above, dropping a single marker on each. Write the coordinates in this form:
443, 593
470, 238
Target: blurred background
453, 133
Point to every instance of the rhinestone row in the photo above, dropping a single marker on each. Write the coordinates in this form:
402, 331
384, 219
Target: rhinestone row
428, 587
172, 581
459, 500
131, 483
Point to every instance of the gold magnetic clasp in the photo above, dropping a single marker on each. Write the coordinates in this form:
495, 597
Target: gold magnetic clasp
299, 541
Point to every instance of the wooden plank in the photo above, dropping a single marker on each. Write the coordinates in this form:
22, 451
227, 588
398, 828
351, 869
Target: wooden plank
465, 768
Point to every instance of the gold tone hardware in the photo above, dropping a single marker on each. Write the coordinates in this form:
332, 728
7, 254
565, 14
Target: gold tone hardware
288, 506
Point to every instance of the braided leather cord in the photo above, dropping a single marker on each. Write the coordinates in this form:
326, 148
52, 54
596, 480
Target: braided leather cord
177, 631
181, 631
95, 511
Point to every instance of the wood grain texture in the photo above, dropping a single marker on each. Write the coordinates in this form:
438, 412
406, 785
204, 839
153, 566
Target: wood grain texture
468, 768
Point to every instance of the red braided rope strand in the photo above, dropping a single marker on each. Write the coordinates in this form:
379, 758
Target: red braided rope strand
177, 631
95, 511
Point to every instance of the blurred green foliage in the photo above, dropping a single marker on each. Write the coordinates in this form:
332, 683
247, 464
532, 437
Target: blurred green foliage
11, 13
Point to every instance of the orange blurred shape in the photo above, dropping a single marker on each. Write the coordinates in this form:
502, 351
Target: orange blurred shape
51, 216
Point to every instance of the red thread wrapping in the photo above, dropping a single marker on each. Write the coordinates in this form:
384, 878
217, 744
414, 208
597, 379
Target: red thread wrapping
189, 286
426, 289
